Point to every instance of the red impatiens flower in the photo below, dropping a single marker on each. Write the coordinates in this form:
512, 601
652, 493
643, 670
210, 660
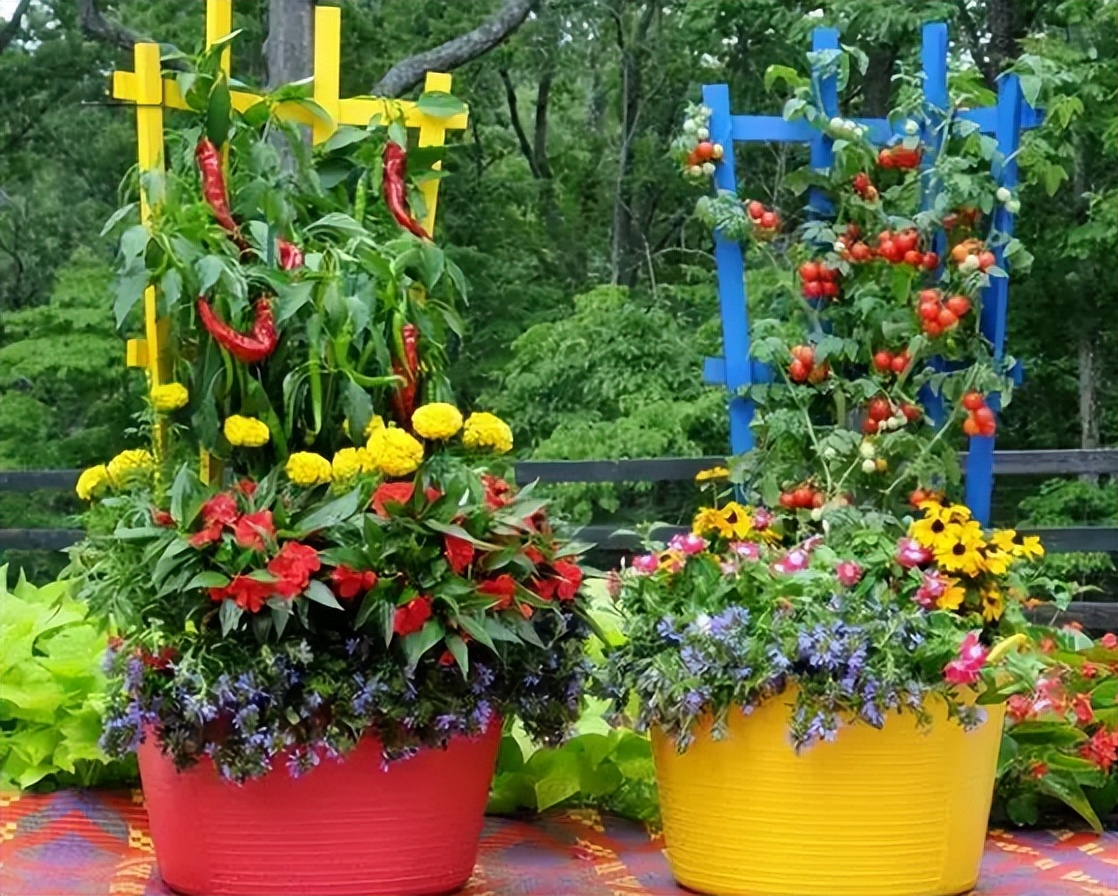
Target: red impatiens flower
1019, 707
161, 659
1109, 640
570, 579
349, 582
411, 616
252, 530
1081, 705
246, 592
496, 491
208, 535
459, 553
391, 493
534, 554
246, 487
292, 567
162, 518
503, 588
217, 513
1101, 749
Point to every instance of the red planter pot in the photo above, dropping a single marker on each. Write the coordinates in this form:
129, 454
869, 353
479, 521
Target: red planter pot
346, 828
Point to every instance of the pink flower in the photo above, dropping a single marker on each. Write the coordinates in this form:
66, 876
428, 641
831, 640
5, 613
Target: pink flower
848, 573
794, 561
762, 519
965, 667
910, 553
1109, 640
645, 564
931, 589
688, 544
728, 568
1019, 707
812, 543
747, 550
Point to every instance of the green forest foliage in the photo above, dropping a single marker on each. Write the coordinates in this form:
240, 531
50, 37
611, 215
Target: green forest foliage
593, 298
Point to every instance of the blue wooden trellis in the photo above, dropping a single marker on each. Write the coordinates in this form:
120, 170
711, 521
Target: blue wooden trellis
736, 369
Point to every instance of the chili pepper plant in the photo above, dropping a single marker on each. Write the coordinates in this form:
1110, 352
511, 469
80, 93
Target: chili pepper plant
835, 572
353, 564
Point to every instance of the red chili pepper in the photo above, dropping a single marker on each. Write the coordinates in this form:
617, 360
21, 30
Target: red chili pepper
251, 348
290, 255
213, 188
396, 191
406, 366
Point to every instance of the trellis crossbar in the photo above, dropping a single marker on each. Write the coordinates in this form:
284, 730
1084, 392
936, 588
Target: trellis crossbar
736, 370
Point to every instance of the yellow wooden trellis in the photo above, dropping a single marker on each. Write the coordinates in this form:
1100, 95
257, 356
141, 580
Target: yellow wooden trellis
152, 93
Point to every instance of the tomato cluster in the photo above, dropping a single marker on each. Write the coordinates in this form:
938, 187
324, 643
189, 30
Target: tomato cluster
972, 255
881, 414
961, 217
804, 496
864, 187
900, 157
803, 368
920, 495
888, 362
904, 248
765, 219
819, 281
705, 152
980, 417
939, 315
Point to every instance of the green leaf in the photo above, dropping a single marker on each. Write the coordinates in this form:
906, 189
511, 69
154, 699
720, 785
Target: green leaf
477, 630
1071, 795
1022, 809
439, 104
229, 614
1105, 695
319, 593
1058, 734
460, 652
346, 135
209, 270
785, 73
207, 579
116, 217
557, 776
329, 515
134, 241
459, 532
170, 288
418, 643
129, 289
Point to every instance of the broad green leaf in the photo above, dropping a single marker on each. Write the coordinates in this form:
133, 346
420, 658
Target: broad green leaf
129, 290
418, 643
319, 593
329, 515
218, 112
439, 104
207, 579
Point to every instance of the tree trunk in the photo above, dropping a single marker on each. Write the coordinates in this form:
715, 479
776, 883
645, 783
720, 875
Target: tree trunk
877, 83
290, 45
1005, 30
1088, 393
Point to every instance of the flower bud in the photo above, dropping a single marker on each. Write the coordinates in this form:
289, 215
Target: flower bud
703, 133
1003, 194
911, 128
868, 466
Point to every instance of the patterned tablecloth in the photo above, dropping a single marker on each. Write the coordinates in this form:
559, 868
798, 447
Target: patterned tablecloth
96, 843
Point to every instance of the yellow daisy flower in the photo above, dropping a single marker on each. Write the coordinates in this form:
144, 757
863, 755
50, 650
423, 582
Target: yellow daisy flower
993, 604
483, 430
436, 421
953, 597
712, 474
930, 532
952, 513
92, 482
996, 561
1030, 548
307, 469
707, 521
734, 521
961, 549
169, 397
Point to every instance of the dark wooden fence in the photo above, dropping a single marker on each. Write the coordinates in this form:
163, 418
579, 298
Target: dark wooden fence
1102, 462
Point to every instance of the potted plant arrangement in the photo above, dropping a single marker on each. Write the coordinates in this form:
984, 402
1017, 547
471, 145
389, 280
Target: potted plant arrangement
822, 660
316, 639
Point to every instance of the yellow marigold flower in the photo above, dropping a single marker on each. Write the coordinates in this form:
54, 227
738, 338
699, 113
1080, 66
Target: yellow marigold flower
485, 430
953, 597
734, 521
129, 467
169, 397
375, 422
306, 468
395, 452
712, 474
92, 482
436, 421
707, 521
246, 432
993, 604
347, 464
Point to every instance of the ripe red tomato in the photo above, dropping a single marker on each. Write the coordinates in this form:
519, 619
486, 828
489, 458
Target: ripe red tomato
914, 258
755, 209
932, 328
984, 416
880, 409
768, 220
972, 401
861, 252
817, 500
947, 319
852, 232
883, 361
986, 260
786, 500
798, 371
861, 182
958, 305
988, 429
930, 295
900, 362
970, 427
869, 427
810, 270
831, 275
906, 240
820, 373
705, 150
813, 289
911, 412
885, 159
802, 496
804, 353
929, 311
930, 261
830, 290
886, 249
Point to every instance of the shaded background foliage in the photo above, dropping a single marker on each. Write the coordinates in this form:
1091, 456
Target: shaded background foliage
593, 297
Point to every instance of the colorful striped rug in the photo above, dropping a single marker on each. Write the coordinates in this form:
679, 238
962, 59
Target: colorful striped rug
95, 843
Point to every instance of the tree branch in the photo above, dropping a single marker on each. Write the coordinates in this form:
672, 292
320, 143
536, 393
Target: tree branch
11, 27
539, 137
514, 115
406, 73
96, 26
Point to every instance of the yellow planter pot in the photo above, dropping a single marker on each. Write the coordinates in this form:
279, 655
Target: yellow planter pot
899, 811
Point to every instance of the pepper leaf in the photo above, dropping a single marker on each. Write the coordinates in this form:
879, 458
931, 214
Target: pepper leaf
439, 104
